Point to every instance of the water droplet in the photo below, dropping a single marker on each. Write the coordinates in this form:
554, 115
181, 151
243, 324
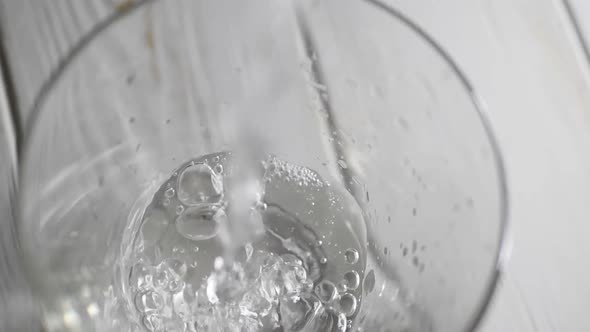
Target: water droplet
323, 260
200, 223
169, 193
351, 256
326, 291
198, 184
179, 209
347, 304
352, 280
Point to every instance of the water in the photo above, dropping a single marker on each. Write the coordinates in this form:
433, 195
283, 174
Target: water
231, 244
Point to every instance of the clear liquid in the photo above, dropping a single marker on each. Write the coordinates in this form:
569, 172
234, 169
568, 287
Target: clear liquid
275, 248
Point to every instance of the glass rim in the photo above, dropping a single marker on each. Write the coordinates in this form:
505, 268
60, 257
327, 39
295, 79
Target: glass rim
500, 256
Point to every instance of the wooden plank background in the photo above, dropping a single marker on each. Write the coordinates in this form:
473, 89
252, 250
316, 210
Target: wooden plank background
523, 57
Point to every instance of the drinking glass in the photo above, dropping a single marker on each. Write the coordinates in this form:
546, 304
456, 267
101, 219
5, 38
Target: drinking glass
351, 89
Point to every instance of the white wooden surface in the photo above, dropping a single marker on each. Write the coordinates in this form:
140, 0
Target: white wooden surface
524, 59
525, 62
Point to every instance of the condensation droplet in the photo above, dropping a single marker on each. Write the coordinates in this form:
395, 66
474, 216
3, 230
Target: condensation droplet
369, 283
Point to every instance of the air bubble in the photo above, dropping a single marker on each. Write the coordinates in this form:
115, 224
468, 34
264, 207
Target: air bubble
325, 290
352, 280
347, 304
341, 325
342, 286
351, 256
175, 285
139, 276
160, 279
152, 322
249, 250
169, 193
200, 223
218, 169
177, 267
199, 184
148, 301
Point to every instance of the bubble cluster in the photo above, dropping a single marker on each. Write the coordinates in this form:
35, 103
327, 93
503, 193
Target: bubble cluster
291, 275
303, 176
154, 288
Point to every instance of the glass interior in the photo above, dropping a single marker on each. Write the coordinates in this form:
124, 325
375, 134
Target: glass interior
347, 88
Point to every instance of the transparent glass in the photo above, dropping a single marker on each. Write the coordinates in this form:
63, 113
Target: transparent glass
349, 88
